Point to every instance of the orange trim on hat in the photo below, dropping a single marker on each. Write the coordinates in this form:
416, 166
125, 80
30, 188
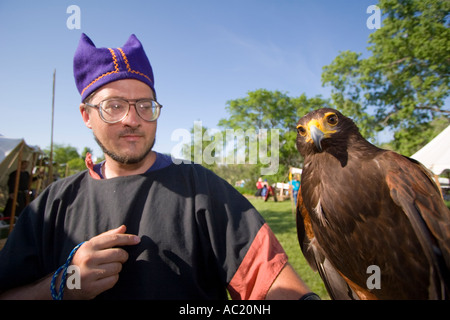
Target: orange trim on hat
129, 68
116, 70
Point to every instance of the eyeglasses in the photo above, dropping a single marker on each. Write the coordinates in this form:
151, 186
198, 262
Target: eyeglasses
116, 109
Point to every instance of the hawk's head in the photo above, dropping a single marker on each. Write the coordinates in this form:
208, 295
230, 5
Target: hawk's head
322, 129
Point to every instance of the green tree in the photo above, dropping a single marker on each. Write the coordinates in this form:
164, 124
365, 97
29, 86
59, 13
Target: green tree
67, 160
344, 76
422, 133
264, 109
260, 109
64, 153
404, 83
85, 151
195, 150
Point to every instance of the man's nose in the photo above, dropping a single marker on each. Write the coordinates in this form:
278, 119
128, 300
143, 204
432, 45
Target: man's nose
132, 119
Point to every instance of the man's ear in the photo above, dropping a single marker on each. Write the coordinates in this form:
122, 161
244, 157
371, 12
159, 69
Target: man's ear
85, 115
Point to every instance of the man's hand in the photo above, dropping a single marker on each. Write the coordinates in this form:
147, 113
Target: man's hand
100, 262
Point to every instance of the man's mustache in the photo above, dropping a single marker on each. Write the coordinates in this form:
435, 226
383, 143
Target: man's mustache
130, 131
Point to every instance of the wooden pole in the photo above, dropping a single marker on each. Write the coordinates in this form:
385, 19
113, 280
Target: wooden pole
67, 170
40, 179
16, 188
50, 168
30, 180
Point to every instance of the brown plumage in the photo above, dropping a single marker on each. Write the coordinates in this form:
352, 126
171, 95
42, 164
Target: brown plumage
360, 206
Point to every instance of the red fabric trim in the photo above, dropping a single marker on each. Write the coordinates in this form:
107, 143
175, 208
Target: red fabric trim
90, 165
261, 265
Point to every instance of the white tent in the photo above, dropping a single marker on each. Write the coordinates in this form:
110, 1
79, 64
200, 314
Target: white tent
9, 155
436, 154
12, 153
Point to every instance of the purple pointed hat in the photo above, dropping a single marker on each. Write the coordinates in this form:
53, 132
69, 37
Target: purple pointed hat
94, 67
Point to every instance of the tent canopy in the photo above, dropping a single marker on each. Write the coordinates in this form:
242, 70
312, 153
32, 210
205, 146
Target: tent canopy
9, 155
436, 154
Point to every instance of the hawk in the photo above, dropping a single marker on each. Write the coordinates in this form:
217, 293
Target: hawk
363, 209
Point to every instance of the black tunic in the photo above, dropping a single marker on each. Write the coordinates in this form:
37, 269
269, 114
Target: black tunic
195, 231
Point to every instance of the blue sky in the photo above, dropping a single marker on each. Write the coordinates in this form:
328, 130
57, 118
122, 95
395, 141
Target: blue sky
203, 53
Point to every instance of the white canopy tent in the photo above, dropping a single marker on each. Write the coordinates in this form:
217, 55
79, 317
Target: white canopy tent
436, 154
436, 157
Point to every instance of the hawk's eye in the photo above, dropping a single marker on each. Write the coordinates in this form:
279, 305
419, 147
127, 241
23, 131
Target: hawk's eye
332, 119
301, 130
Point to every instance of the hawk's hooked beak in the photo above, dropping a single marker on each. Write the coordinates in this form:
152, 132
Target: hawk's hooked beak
318, 129
316, 136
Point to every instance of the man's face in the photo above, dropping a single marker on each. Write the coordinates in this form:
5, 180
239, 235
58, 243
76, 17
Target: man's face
130, 140
24, 165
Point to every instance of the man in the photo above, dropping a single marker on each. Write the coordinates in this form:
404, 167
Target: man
145, 227
24, 181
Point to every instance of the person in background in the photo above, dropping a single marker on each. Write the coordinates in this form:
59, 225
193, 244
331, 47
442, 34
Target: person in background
295, 184
24, 181
259, 187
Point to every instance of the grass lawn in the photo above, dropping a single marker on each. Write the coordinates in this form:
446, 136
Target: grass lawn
282, 222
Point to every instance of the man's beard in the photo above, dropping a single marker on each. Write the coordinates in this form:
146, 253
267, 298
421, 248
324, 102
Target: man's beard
126, 159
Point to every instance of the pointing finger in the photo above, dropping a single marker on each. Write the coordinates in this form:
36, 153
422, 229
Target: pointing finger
114, 238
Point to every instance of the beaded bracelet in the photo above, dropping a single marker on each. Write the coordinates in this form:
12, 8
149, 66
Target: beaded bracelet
59, 295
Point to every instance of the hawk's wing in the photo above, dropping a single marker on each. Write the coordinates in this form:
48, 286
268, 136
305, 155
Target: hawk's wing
413, 189
337, 287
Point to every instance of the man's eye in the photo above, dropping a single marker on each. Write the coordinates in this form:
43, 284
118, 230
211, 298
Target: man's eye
114, 107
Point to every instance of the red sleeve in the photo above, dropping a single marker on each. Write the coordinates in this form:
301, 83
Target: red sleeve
261, 265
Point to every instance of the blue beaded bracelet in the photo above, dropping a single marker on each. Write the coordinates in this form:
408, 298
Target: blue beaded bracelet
59, 295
